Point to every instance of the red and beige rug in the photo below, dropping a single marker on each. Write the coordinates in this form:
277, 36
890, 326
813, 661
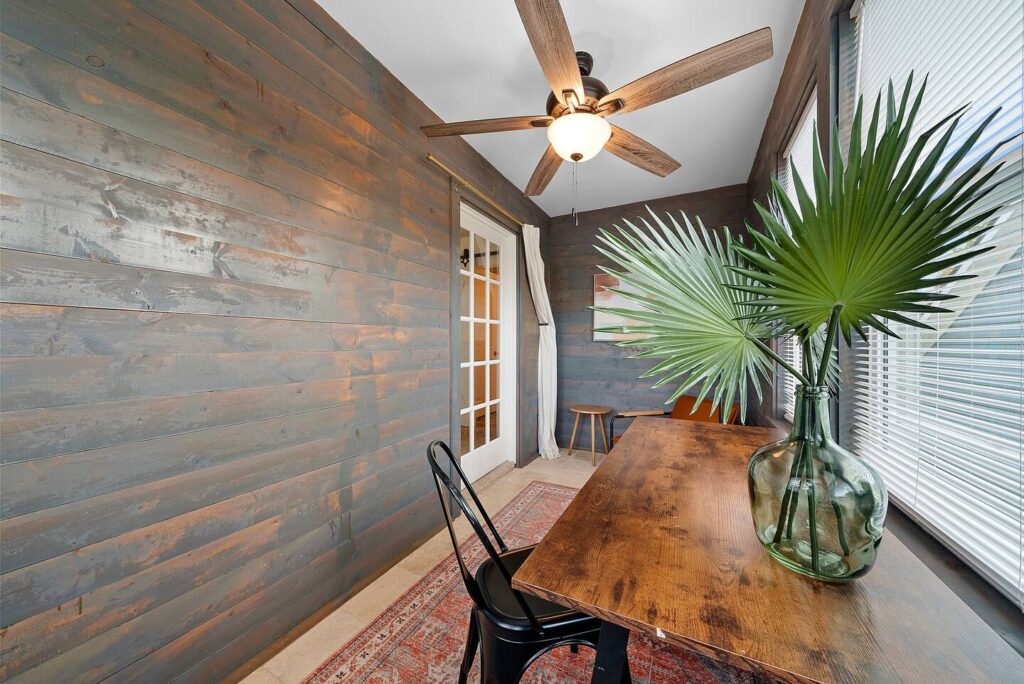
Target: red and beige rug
421, 636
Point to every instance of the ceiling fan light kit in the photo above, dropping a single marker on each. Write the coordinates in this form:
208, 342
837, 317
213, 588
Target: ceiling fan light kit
578, 136
578, 103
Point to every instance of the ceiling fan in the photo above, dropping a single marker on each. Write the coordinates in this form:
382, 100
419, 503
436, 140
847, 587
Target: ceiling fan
579, 103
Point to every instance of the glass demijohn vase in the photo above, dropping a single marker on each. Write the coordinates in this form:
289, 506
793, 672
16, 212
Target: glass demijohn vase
818, 509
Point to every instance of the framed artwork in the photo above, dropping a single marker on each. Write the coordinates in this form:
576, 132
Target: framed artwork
605, 297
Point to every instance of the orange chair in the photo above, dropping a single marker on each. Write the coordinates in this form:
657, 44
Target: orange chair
680, 411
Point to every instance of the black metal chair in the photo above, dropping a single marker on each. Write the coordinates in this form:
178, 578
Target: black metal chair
512, 629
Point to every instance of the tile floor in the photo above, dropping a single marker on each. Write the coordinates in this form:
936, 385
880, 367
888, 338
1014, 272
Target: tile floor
308, 651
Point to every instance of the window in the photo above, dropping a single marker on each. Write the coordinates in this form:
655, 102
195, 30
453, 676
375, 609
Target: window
800, 154
939, 412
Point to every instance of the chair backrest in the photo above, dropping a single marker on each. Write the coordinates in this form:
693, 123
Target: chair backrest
444, 483
704, 414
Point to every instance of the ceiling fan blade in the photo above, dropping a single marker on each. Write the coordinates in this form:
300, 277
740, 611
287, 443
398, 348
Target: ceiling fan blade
552, 43
694, 71
544, 172
508, 123
639, 152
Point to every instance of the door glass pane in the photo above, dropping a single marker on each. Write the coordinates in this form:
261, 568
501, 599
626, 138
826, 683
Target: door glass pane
493, 392
480, 255
479, 427
464, 390
465, 251
479, 384
495, 342
494, 422
495, 261
465, 447
479, 341
464, 292
479, 298
495, 300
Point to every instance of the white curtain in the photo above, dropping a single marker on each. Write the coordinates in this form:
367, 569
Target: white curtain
547, 361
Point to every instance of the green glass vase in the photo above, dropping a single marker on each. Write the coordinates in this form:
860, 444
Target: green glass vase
818, 509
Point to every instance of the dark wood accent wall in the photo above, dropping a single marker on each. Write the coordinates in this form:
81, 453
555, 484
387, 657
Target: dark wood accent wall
225, 340
592, 372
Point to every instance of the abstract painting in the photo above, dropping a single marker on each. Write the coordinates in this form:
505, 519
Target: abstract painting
605, 297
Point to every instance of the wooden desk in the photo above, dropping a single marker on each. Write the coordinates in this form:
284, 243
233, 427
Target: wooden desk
660, 541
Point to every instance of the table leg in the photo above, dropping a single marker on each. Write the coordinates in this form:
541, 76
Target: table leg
604, 437
611, 665
593, 442
572, 440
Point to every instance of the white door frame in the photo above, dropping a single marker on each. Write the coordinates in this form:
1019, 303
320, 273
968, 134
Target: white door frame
482, 458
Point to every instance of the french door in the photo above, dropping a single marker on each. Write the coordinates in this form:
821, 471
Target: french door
487, 343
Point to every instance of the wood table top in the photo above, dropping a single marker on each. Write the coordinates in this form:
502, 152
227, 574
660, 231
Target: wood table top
660, 540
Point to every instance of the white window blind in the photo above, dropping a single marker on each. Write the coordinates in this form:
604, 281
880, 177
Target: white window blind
939, 412
800, 153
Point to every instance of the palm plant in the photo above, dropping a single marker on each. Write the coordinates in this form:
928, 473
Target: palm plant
887, 228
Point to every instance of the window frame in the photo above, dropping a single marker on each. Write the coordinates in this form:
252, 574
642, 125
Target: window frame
782, 409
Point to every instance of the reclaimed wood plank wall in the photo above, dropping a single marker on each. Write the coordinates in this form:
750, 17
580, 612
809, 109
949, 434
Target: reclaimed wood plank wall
592, 372
225, 337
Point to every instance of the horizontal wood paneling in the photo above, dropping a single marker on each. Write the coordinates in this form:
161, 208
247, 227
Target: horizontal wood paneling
599, 372
225, 307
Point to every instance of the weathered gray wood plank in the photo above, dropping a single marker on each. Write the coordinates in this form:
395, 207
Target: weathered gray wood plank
54, 331
349, 297
39, 433
39, 382
42, 229
35, 226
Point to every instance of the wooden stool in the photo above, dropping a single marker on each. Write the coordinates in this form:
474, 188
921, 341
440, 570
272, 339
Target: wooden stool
596, 413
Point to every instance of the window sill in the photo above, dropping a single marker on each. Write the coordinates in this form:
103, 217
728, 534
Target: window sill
990, 605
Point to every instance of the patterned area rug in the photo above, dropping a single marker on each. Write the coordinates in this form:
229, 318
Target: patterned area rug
421, 636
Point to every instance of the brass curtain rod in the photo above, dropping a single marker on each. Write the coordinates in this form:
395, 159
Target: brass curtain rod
477, 191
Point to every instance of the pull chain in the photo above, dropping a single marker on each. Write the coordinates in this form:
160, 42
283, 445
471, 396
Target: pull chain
575, 192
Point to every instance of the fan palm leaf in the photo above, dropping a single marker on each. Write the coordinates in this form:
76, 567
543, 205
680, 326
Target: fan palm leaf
690, 308
883, 231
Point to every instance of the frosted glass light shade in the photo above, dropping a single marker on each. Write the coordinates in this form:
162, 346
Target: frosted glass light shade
579, 136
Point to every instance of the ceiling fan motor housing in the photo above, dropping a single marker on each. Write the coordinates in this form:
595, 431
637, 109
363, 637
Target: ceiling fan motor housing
593, 89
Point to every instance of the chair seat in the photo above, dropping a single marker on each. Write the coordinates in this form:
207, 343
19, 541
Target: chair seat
501, 601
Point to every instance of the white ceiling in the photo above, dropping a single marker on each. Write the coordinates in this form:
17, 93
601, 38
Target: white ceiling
470, 59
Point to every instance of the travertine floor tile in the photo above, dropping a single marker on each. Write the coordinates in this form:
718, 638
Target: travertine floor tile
319, 643
263, 676
369, 603
435, 550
